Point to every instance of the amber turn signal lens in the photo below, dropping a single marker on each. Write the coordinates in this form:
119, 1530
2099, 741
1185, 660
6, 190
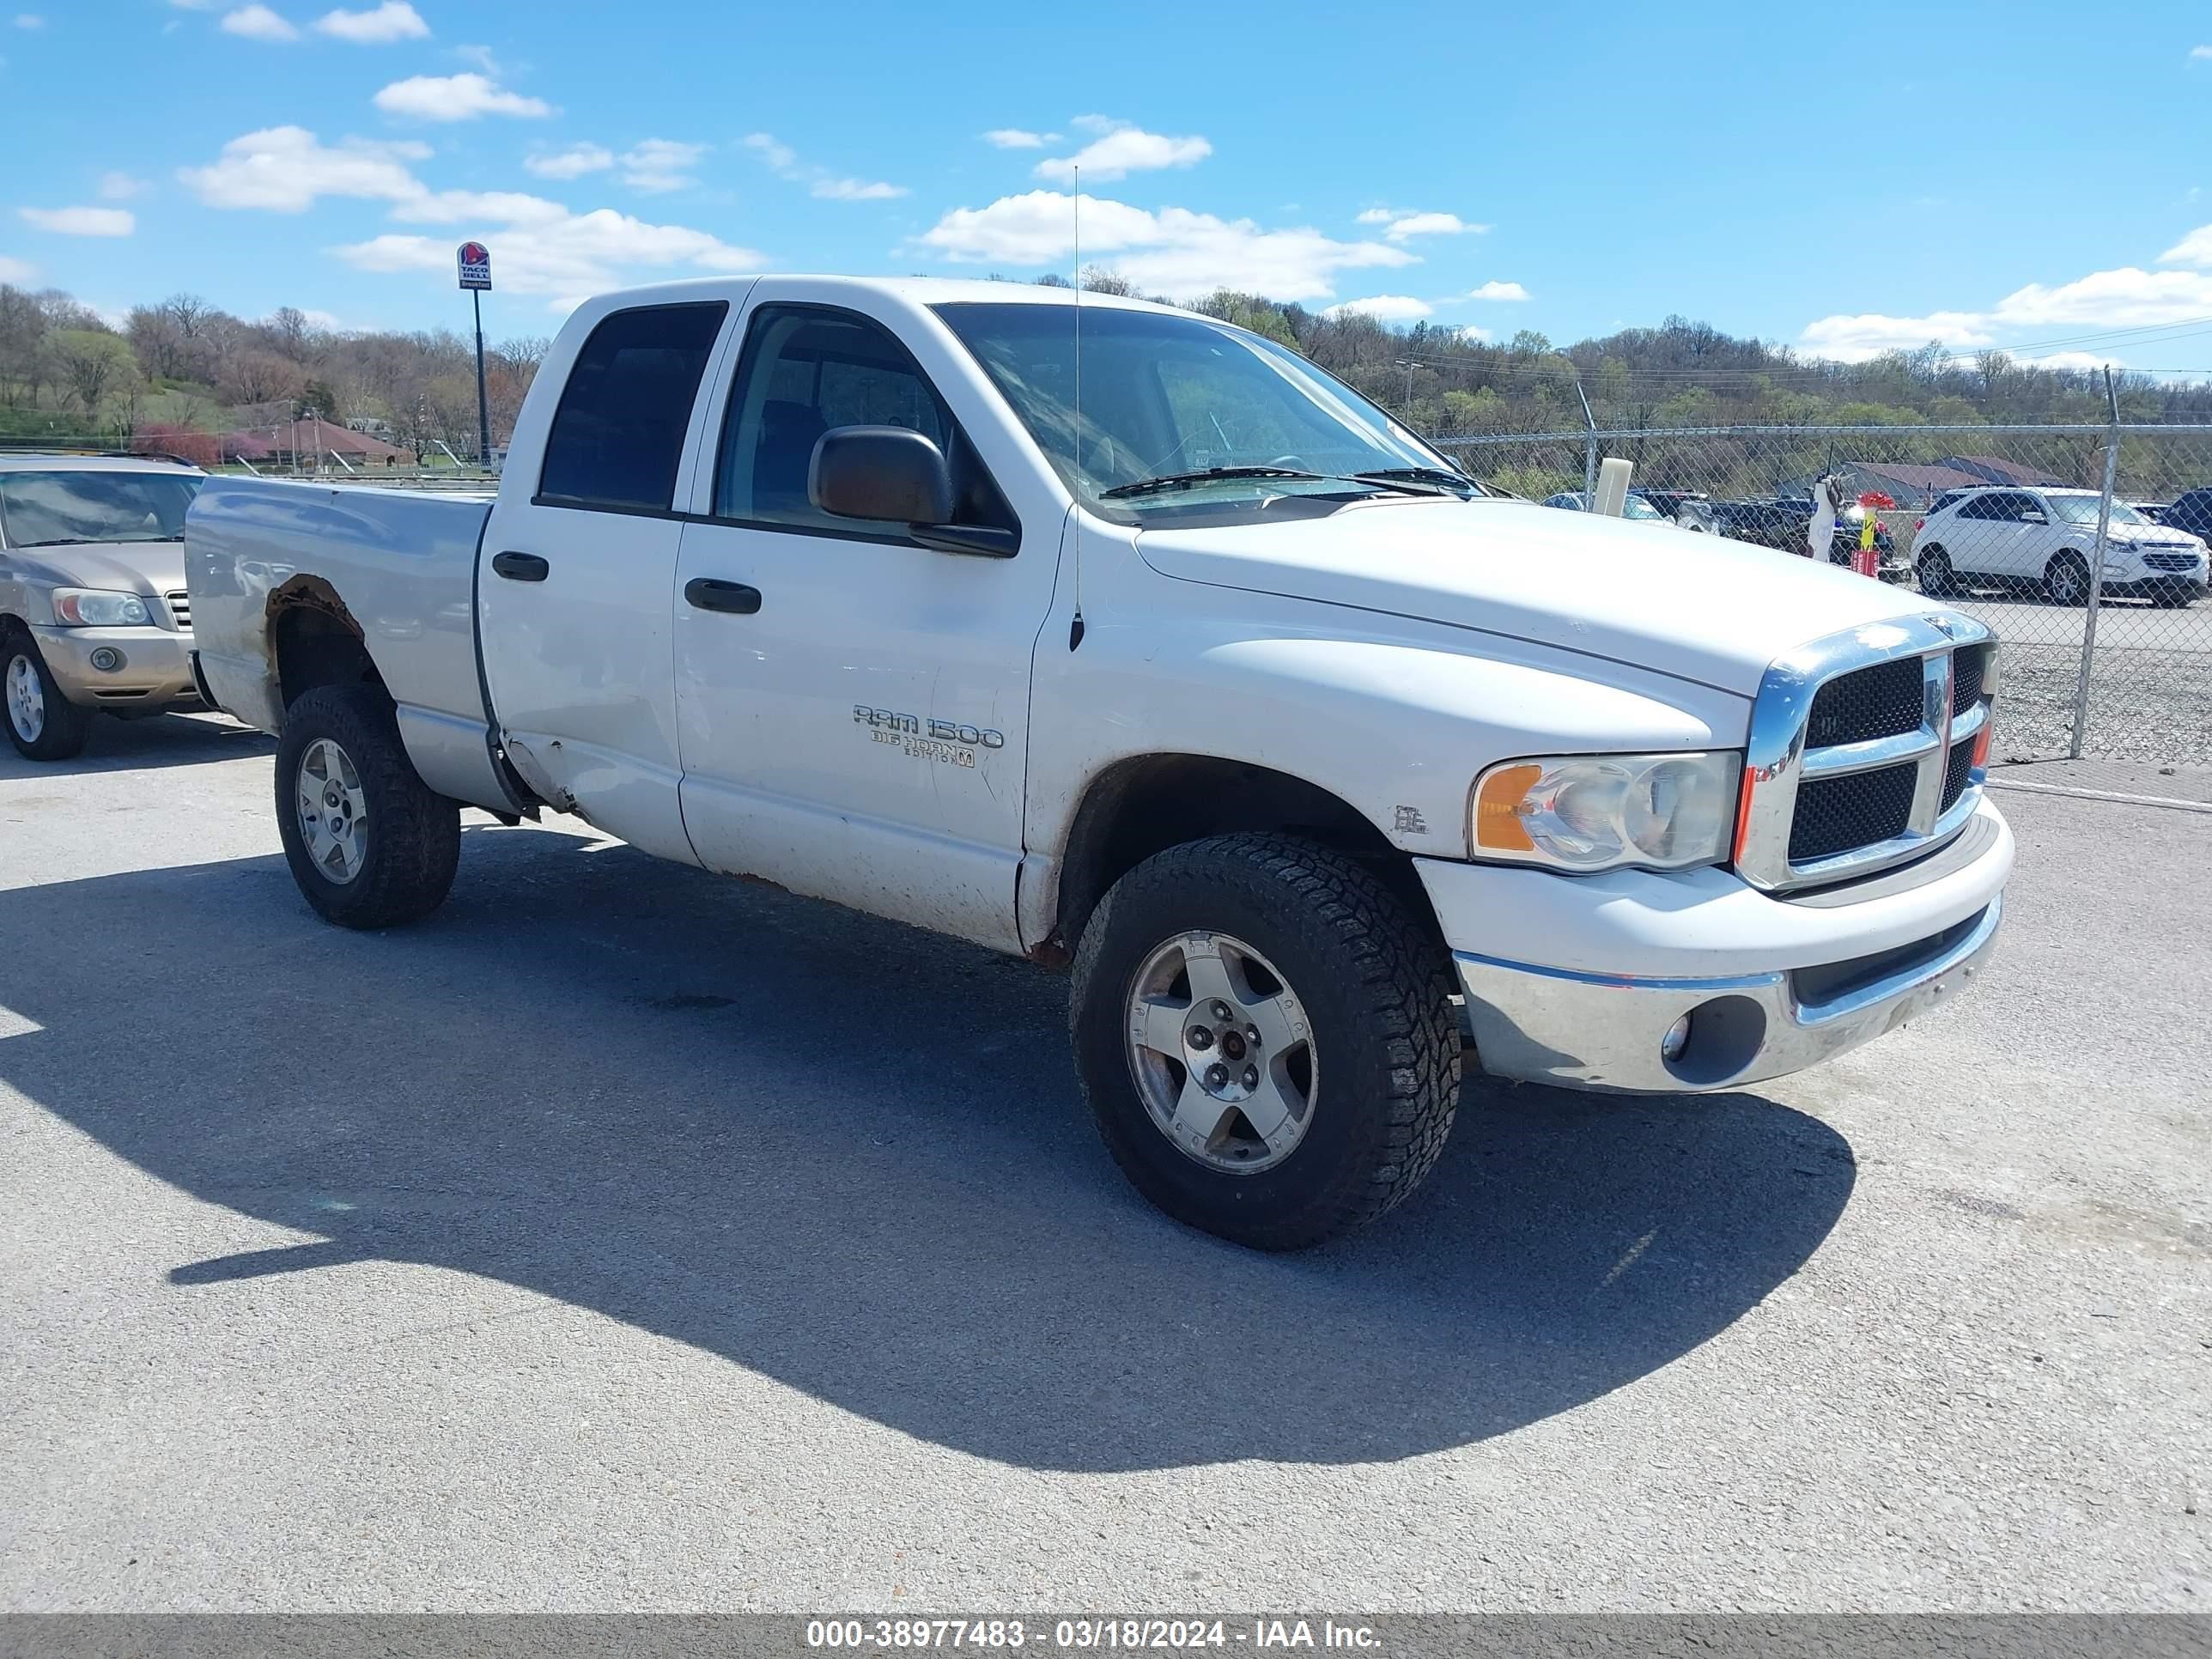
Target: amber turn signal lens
1497, 809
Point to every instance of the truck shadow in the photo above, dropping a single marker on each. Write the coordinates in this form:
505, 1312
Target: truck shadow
852, 1157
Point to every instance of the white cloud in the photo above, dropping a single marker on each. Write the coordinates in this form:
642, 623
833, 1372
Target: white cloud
194, 5
258, 23
658, 165
17, 270
855, 190
576, 255
2126, 298
573, 162
395, 19
2201, 53
455, 98
820, 182
1401, 224
1121, 150
284, 169
80, 221
781, 157
2194, 249
121, 186
482, 57
1018, 138
1173, 251
30, 20
1504, 291
1471, 334
1383, 309
1855, 339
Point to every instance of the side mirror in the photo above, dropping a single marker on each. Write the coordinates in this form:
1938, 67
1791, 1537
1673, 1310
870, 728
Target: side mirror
893, 476
2033, 517
881, 473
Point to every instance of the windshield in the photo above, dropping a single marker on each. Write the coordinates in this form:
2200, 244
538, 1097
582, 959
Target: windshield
2083, 509
1167, 395
40, 509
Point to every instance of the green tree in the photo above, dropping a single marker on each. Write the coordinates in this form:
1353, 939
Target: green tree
95, 366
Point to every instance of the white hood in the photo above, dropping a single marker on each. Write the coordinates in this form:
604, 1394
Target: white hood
1697, 607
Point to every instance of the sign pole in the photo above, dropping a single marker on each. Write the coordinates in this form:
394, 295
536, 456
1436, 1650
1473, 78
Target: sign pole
474, 261
483, 408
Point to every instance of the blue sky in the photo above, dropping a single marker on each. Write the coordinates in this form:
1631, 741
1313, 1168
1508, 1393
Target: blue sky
2025, 175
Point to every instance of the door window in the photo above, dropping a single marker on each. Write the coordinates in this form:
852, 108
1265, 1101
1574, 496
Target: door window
617, 437
805, 371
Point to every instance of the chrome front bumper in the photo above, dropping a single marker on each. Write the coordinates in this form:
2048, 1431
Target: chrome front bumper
1583, 1030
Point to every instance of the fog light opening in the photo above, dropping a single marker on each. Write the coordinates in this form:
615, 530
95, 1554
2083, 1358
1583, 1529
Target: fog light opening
106, 659
1676, 1040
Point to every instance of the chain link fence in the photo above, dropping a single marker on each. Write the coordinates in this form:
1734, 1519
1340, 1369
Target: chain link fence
2082, 546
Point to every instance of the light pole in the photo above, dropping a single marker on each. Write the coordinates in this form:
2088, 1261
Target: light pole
1409, 365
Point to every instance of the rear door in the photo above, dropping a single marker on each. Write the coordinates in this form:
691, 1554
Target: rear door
577, 573
859, 730
1986, 533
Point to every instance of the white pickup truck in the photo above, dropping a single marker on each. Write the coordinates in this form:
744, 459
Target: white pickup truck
1099, 631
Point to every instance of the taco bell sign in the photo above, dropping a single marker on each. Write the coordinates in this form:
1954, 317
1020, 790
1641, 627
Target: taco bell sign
475, 261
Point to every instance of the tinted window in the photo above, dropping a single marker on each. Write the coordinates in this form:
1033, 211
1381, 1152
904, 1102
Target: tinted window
617, 437
43, 508
806, 370
1983, 507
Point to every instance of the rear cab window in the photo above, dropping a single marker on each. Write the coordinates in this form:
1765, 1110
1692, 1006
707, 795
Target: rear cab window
616, 441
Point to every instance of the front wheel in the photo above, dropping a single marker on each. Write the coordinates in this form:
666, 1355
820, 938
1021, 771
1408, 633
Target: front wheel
42, 724
1266, 1037
2067, 581
370, 844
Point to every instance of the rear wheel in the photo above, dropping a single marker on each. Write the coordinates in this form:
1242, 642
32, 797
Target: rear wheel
370, 844
2066, 581
1266, 1037
1936, 580
42, 724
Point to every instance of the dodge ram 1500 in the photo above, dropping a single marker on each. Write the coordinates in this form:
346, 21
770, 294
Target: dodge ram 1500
1106, 633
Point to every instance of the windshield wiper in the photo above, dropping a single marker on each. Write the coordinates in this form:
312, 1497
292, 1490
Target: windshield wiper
1190, 480
1416, 474
99, 541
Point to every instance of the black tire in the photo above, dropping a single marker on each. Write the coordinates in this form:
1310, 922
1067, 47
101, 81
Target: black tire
1376, 985
414, 836
63, 725
1936, 580
2066, 580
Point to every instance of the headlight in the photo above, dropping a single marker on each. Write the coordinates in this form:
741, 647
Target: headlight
1586, 813
89, 607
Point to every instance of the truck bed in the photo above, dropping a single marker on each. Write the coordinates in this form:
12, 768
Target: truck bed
404, 560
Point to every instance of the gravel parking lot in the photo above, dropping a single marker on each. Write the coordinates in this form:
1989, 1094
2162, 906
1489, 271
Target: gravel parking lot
626, 1239
2150, 691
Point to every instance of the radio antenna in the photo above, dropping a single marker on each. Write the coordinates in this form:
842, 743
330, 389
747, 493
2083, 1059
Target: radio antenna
1075, 249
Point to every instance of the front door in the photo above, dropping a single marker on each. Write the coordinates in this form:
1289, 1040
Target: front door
853, 707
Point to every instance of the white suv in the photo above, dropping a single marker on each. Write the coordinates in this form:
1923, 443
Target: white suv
2045, 537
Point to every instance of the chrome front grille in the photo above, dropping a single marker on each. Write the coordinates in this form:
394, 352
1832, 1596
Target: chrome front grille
180, 609
1862, 750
